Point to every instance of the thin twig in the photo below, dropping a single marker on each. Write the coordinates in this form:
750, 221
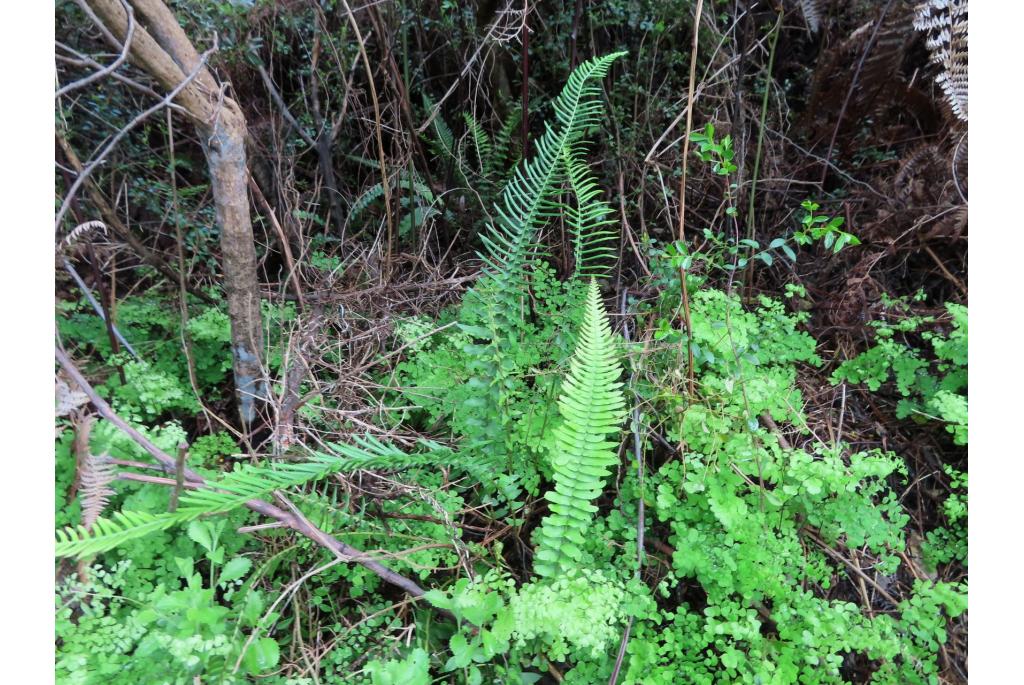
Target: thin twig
91, 166
110, 68
97, 308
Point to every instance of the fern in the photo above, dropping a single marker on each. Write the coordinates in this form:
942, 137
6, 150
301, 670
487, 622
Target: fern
592, 407
526, 201
945, 23
237, 488
481, 141
500, 162
812, 14
376, 191
95, 493
592, 243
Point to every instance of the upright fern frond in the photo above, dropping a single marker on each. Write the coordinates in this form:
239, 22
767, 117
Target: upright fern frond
98, 472
592, 407
237, 488
945, 23
593, 244
500, 163
526, 201
481, 141
443, 141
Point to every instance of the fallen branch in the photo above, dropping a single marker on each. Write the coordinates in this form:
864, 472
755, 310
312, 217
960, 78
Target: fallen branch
299, 524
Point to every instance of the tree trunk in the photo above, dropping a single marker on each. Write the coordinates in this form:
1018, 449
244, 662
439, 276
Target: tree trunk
160, 47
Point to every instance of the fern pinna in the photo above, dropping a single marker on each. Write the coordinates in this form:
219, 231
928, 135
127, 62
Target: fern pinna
235, 489
592, 406
527, 200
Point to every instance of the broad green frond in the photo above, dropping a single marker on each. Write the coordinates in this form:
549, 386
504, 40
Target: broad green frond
236, 488
592, 407
527, 200
593, 243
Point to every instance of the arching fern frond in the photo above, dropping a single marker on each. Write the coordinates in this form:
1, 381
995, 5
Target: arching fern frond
592, 407
376, 191
593, 244
236, 488
526, 201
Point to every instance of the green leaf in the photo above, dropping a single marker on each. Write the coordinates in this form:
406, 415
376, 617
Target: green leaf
262, 655
234, 569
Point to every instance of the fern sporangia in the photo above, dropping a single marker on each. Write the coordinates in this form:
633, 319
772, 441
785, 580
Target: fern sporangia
945, 24
592, 406
238, 487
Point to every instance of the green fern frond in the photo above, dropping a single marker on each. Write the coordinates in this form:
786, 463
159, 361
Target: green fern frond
500, 163
527, 199
238, 487
593, 244
481, 141
376, 191
443, 141
592, 406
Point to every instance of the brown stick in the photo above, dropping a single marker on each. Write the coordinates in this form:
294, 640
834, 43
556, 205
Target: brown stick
179, 476
111, 219
682, 201
289, 259
300, 525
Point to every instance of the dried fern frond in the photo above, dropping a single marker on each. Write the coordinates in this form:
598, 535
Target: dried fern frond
812, 14
98, 472
945, 24
67, 400
81, 230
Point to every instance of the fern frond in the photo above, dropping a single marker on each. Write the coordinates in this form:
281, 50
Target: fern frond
238, 487
499, 164
526, 201
812, 14
592, 406
945, 23
481, 141
376, 191
593, 244
98, 472
443, 142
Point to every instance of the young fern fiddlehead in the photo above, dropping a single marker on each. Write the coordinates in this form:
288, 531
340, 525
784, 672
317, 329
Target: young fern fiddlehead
592, 407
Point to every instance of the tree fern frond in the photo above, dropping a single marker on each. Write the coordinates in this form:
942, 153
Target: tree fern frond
526, 201
238, 487
592, 407
593, 244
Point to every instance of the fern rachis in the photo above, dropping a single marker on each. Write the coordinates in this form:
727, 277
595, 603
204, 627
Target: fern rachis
592, 407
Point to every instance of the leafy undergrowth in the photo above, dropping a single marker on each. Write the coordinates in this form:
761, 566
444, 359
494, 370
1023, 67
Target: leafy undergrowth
520, 509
